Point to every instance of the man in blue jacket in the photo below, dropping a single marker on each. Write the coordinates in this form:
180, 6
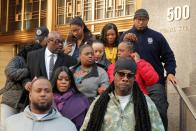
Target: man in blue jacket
153, 47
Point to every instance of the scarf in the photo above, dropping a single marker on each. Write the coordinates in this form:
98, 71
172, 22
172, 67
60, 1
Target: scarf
60, 99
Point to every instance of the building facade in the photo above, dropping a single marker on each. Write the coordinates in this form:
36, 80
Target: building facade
20, 18
173, 18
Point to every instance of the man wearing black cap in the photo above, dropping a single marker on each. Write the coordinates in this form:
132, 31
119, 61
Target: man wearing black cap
123, 107
153, 47
41, 35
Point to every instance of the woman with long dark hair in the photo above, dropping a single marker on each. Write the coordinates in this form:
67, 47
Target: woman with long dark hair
109, 36
78, 35
68, 100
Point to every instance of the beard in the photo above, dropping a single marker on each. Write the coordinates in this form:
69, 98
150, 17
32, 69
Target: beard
42, 107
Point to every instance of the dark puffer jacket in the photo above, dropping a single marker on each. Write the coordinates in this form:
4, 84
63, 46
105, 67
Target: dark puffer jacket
15, 72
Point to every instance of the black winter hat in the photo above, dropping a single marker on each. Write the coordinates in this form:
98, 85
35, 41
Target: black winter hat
125, 64
141, 13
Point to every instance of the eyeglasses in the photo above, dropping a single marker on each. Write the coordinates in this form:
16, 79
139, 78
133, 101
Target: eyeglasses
128, 75
57, 41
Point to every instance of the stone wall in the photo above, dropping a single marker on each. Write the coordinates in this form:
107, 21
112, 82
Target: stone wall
181, 36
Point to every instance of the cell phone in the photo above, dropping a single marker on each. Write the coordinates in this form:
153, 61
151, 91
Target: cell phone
67, 43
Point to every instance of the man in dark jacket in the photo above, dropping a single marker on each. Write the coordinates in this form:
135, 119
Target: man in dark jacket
44, 61
153, 47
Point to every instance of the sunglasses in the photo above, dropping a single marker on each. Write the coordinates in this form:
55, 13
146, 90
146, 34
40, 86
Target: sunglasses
128, 75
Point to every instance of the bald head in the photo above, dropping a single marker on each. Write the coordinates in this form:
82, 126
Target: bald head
41, 96
55, 42
54, 34
40, 81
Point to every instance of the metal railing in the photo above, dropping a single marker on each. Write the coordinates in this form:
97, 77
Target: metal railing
186, 100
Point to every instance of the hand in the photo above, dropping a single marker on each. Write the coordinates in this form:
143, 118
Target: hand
135, 56
68, 48
171, 78
28, 86
101, 89
130, 37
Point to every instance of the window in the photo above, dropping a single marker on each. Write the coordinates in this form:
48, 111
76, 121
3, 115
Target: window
78, 8
26, 14
87, 10
100, 9
109, 8
119, 8
61, 11
129, 10
28, 11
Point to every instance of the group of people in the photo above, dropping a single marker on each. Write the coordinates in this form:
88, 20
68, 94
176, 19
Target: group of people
114, 83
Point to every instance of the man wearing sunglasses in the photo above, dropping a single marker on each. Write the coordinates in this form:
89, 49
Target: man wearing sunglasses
151, 46
145, 75
123, 107
154, 48
44, 61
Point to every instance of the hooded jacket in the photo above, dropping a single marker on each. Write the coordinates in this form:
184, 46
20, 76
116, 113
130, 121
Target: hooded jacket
16, 71
27, 121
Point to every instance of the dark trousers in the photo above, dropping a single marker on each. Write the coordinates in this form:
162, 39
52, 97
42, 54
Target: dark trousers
158, 95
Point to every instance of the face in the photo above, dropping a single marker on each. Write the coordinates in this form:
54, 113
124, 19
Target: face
77, 31
123, 51
123, 81
98, 49
43, 42
55, 43
41, 96
87, 56
63, 82
140, 23
111, 36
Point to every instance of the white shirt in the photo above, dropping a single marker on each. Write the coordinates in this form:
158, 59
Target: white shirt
123, 101
40, 116
48, 55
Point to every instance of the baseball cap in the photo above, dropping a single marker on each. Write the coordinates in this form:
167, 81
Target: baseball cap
41, 32
141, 13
